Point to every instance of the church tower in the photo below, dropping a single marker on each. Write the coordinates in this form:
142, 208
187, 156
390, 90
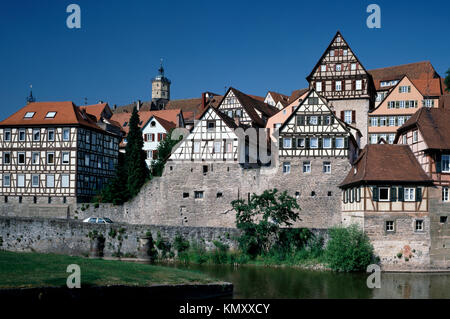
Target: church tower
160, 90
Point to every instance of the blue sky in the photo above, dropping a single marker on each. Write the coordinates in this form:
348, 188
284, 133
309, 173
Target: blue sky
206, 45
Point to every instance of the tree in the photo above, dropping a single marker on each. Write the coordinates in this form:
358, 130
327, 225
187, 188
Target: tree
348, 249
116, 191
164, 150
135, 166
447, 81
261, 217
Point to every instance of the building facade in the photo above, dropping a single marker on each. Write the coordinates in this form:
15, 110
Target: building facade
53, 152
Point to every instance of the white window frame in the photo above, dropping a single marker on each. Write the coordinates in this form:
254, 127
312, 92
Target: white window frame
319, 86
409, 194
445, 197
50, 181
323, 68
9, 157
388, 194
314, 145
287, 142
306, 168
20, 180
33, 162
51, 137
33, 177
18, 158
6, 180
50, 115
38, 138
338, 67
348, 116
7, 135
196, 147
64, 134
65, 180
29, 115
327, 167
68, 158
353, 67
313, 120
358, 85
390, 227
302, 139
445, 159
340, 139
373, 139
48, 156
374, 121
217, 147
338, 86
419, 225
415, 136
22, 131
286, 167
324, 143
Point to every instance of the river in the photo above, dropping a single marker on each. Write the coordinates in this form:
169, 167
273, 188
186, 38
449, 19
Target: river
288, 283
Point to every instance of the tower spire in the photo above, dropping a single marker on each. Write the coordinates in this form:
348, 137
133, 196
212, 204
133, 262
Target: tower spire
161, 68
31, 98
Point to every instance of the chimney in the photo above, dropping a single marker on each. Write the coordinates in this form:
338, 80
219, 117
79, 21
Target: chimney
138, 105
203, 100
115, 106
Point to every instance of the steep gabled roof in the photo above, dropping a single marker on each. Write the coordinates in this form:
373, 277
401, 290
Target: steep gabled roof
386, 163
251, 104
415, 71
433, 124
296, 94
67, 113
96, 109
278, 97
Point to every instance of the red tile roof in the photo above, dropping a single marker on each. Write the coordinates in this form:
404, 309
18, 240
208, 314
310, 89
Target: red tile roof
296, 94
415, 71
277, 97
386, 163
434, 125
95, 109
67, 113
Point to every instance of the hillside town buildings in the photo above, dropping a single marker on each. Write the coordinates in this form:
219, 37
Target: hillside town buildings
357, 146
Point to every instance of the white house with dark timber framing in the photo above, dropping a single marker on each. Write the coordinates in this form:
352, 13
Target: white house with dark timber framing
54, 152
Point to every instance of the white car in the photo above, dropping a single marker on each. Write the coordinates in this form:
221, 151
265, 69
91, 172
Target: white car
98, 220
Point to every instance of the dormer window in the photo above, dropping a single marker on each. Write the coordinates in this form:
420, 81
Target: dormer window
50, 115
29, 115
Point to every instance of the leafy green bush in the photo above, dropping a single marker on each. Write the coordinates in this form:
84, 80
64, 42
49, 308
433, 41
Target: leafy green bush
348, 249
180, 244
163, 245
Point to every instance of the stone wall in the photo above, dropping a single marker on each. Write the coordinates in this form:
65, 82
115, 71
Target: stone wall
361, 107
439, 229
71, 237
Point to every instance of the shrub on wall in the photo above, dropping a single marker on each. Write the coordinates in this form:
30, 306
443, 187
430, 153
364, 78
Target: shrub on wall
348, 249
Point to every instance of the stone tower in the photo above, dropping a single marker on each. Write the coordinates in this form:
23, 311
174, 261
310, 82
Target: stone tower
160, 90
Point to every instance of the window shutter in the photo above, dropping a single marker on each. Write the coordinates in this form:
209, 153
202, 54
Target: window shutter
302, 120
145, 137
438, 165
346, 142
333, 85
331, 119
333, 142
393, 194
353, 116
418, 194
345, 196
281, 143
320, 142
342, 115
375, 194
307, 142
401, 194
353, 85
164, 135
153, 137
294, 143
319, 120
409, 89
363, 84
399, 89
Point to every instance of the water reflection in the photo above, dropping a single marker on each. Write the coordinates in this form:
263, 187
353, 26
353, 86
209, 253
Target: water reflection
290, 283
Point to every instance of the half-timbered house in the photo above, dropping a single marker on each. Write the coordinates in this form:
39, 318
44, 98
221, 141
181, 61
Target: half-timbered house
341, 78
387, 193
246, 109
54, 152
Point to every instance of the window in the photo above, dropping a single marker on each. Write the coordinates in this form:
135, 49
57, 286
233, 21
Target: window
50, 158
20, 180
66, 134
198, 194
185, 195
323, 68
318, 86
338, 86
327, 120
65, 157
35, 180
348, 117
401, 120
238, 113
50, 180
152, 123
428, 103
307, 167
205, 169
327, 167
22, 135
29, 115
211, 125
287, 142
353, 67
329, 193
6, 180
286, 168
217, 147
36, 135
445, 163
383, 195
65, 180
445, 194
219, 195
51, 135
373, 139
415, 136
313, 120
7, 158
300, 143
389, 225
419, 225
229, 147
314, 142
7, 135
443, 219
21, 158
338, 67
382, 121
345, 52
404, 138
391, 138
404, 89
196, 147
331, 52
410, 194
391, 121
35, 158
374, 121
358, 85
339, 142
327, 142
50, 115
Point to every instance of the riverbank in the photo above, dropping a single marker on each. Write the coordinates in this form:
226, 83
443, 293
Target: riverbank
35, 270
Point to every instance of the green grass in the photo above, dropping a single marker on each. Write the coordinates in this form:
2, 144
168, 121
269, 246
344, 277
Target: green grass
49, 270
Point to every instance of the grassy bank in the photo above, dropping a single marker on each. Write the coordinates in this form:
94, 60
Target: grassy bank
49, 270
